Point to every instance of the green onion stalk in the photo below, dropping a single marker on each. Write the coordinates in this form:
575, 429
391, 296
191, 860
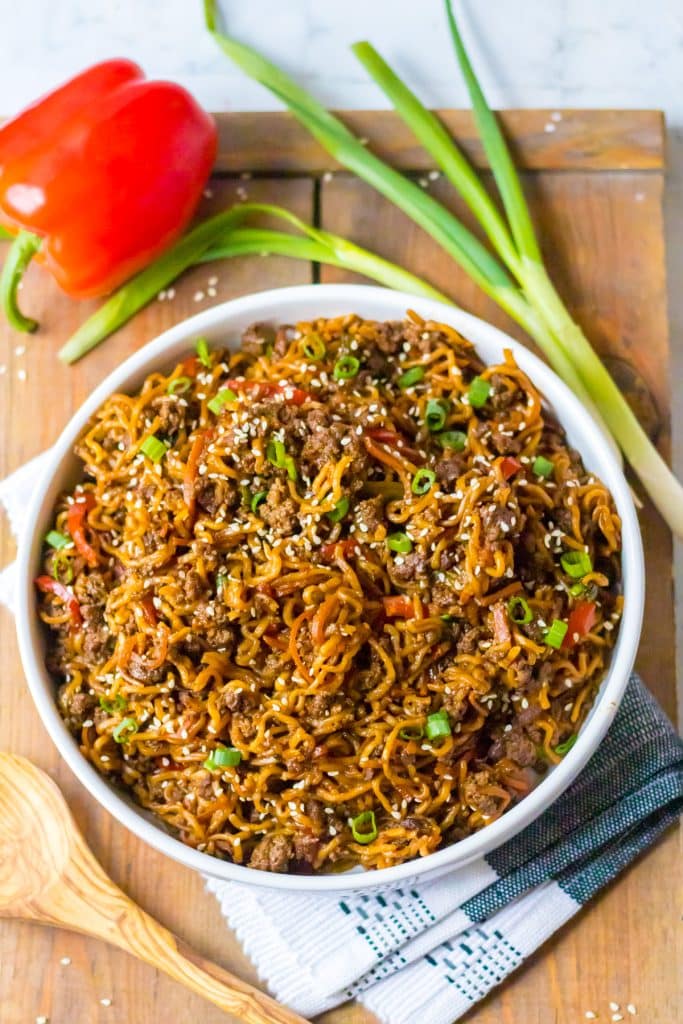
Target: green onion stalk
443, 226
225, 235
520, 284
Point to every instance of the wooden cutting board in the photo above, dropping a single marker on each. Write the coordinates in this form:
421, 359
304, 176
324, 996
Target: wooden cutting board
595, 180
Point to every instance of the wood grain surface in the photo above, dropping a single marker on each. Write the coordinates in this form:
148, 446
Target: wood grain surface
596, 185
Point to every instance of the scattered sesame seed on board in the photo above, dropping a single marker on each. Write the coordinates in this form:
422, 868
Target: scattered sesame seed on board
42, 1020
630, 1008
21, 374
590, 1015
19, 350
198, 296
65, 961
614, 1007
105, 1002
617, 1017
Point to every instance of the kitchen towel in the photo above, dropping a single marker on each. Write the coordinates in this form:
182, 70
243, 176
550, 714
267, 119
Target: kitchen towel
435, 949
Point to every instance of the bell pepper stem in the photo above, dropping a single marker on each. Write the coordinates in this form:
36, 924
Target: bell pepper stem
23, 249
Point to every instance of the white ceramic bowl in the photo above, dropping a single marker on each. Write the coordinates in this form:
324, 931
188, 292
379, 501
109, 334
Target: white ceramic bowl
223, 324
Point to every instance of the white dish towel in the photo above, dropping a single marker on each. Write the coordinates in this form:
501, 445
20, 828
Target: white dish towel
436, 949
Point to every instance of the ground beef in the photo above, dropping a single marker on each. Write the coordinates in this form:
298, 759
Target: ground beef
235, 700
91, 589
284, 335
449, 470
324, 444
456, 704
77, 707
211, 620
306, 847
503, 396
500, 523
215, 493
272, 853
388, 337
194, 586
477, 800
369, 515
322, 706
411, 568
258, 339
279, 511
504, 444
443, 595
139, 669
171, 413
514, 745
467, 644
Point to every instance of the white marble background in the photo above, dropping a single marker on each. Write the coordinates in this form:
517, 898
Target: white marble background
530, 53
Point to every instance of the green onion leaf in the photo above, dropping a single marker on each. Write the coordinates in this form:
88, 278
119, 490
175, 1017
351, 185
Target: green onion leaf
314, 348
576, 564
423, 481
479, 390
437, 411
115, 706
339, 510
400, 542
220, 399
154, 448
257, 499
179, 385
223, 757
543, 467
411, 732
577, 589
519, 611
58, 540
438, 724
556, 633
62, 568
410, 377
454, 439
566, 746
126, 728
221, 580
203, 352
276, 454
364, 827
346, 368
447, 617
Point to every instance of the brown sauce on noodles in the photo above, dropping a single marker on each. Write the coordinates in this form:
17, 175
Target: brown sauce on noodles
338, 597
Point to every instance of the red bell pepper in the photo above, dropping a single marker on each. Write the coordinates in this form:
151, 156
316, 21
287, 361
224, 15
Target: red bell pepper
581, 621
75, 521
99, 177
509, 466
48, 585
267, 389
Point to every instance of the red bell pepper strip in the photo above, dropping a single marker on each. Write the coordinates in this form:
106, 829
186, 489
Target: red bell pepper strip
581, 621
192, 468
509, 466
339, 549
75, 521
148, 610
99, 177
398, 606
47, 585
392, 439
266, 389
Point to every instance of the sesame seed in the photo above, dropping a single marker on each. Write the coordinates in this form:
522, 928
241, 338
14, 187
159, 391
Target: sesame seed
589, 1015
630, 1008
21, 375
19, 350
105, 1002
41, 1020
617, 1017
614, 1006
65, 961
198, 296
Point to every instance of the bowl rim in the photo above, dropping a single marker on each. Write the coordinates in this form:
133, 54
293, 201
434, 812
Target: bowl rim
273, 304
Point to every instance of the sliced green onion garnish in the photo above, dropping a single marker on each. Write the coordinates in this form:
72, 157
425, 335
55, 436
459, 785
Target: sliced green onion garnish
257, 499
519, 611
276, 453
57, 540
62, 568
400, 542
345, 368
556, 633
438, 724
437, 411
454, 439
576, 564
203, 352
114, 706
314, 348
126, 728
411, 732
223, 757
423, 481
221, 580
478, 391
219, 400
364, 827
178, 386
339, 510
564, 748
447, 617
576, 589
410, 377
153, 448
543, 467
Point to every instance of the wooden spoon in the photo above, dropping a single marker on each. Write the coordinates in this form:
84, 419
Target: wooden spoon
48, 874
